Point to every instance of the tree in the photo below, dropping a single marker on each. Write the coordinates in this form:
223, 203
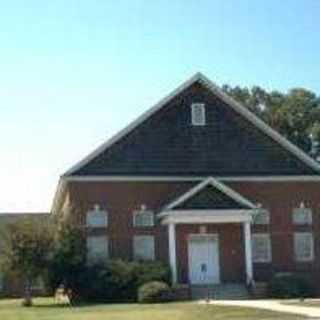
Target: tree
27, 251
68, 261
295, 114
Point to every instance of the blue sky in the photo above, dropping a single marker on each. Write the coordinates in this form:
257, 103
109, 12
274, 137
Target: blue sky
73, 73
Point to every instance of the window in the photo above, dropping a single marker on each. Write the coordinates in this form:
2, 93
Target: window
198, 114
97, 217
262, 217
261, 247
97, 248
302, 215
143, 247
303, 246
143, 218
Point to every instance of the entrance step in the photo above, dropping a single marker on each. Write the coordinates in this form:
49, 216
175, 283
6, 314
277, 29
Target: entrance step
228, 291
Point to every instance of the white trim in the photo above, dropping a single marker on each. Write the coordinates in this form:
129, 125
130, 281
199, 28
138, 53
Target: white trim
224, 97
272, 178
196, 212
206, 216
140, 212
296, 216
267, 237
216, 184
190, 178
172, 251
194, 121
248, 251
296, 235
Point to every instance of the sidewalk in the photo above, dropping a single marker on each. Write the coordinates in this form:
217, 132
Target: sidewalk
274, 305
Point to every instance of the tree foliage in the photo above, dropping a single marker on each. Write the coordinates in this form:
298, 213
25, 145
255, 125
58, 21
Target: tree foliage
68, 261
27, 251
295, 114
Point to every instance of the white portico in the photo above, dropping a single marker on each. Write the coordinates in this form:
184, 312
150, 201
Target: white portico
209, 202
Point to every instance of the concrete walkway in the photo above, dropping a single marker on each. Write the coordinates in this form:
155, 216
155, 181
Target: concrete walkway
273, 305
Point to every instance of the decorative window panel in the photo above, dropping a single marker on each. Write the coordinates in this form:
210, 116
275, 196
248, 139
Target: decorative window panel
303, 246
143, 218
262, 217
198, 114
97, 248
261, 247
97, 218
143, 248
302, 216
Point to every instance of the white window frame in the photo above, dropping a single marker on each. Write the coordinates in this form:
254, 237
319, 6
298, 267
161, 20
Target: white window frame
95, 257
263, 215
302, 211
136, 213
267, 238
202, 110
136, 254
95, 215
296, 236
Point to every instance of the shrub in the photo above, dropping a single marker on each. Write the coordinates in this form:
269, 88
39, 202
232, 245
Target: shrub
112, 282
153, 292
148, 271
117, 280
289, 286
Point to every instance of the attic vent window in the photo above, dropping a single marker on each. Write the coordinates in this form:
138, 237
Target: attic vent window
198, 114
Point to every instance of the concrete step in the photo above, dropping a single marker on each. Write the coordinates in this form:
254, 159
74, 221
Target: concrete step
232, 291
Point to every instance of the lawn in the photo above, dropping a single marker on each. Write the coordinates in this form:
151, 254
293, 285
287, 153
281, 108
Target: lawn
45, 309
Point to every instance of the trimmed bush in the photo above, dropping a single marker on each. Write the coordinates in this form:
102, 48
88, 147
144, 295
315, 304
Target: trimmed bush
117, 280
289, 286
148, 271
154, 292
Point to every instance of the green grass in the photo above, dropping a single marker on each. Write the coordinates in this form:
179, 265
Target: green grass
46, 309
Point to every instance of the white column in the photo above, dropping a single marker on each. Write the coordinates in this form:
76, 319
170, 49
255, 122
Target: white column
248, 253
172, 251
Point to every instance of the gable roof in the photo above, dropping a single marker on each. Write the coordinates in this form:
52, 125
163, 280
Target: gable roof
310, 165
225, 198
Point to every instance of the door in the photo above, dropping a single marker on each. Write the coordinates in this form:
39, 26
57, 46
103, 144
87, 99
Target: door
204, 259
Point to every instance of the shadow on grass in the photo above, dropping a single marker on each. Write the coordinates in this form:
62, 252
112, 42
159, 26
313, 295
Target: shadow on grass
52, 306
56, 305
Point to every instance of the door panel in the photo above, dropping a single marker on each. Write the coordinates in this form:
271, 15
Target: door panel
203, 260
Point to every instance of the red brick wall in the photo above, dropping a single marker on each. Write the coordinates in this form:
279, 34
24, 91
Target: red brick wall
280, 199
122, 198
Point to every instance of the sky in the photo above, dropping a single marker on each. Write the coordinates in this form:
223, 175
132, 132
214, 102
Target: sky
73, 73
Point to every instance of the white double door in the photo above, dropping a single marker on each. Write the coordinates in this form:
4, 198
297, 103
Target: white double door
204, 259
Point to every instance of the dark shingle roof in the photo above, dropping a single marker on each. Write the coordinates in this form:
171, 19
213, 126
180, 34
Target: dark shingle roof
167, 144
